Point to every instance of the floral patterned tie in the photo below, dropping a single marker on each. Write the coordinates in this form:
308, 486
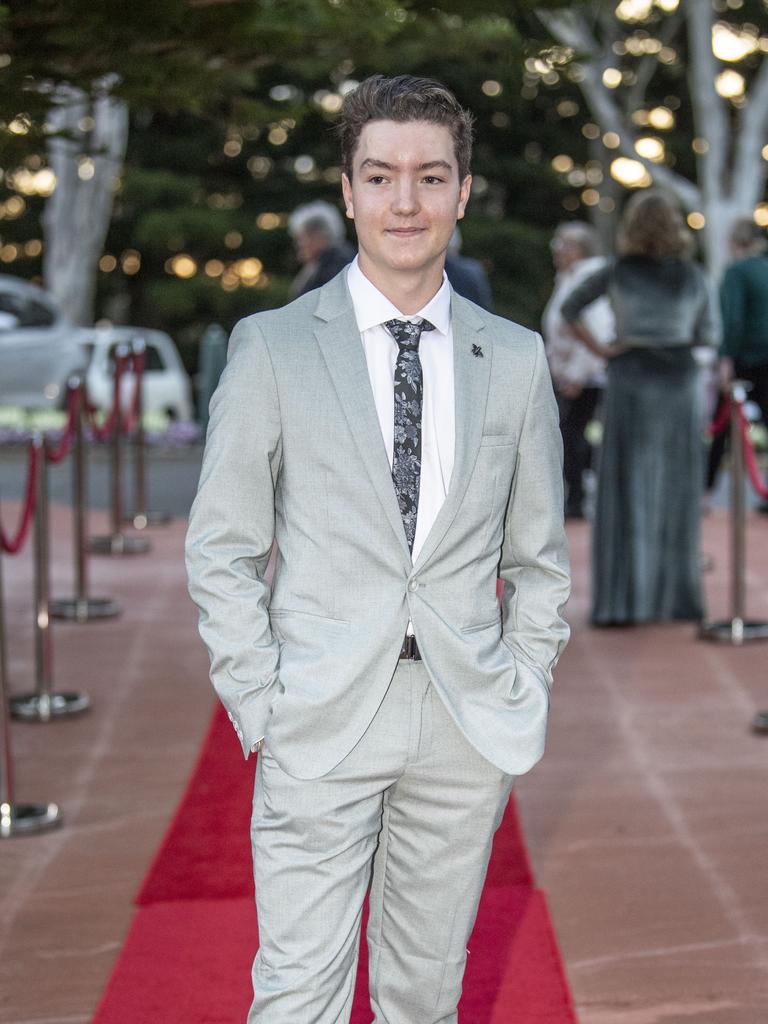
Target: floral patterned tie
409, 392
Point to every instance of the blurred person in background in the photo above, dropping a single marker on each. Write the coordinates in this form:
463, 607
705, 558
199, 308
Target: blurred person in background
578, 373
467, 276
744, 349
318, 232
646, 560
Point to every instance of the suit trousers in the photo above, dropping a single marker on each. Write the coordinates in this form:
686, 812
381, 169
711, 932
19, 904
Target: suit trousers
408, 816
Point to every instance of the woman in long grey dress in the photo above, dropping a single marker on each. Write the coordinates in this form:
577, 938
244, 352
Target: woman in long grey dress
645, 549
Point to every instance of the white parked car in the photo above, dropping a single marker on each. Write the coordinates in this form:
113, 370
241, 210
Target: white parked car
167, 388
39, 347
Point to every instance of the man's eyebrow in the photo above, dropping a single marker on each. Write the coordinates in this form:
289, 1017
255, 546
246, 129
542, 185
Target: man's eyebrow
429, 165
370, 162
435, 163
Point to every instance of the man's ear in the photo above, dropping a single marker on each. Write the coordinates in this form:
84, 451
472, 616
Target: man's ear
464, 189
346, 191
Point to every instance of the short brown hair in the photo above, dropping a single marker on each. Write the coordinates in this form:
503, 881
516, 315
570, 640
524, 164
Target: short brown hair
404, 98
652, 225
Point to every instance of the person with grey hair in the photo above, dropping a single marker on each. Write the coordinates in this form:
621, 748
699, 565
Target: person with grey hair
317, 230
744, 349
577, 373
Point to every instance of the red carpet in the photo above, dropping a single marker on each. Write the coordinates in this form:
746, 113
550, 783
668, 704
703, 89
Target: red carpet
188, 953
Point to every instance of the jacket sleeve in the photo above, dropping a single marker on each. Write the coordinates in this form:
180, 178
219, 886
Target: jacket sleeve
534, 566
231, 531
590, 289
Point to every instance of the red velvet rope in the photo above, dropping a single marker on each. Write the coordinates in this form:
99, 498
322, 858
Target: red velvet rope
60, 453
132, 417
750, 458
104, 432
14, 544
721, 420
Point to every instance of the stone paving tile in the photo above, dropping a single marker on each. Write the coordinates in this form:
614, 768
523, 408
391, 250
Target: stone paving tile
117, 772
646, 819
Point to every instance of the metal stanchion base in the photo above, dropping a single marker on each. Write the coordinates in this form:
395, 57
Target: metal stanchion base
760, 722
26, 819
32, 707
734, 631
118, 544
141, 520
74, 610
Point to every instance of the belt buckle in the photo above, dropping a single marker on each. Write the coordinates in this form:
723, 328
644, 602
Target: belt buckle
409, 647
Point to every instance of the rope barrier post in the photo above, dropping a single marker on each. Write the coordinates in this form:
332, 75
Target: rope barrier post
737, 629
117, 543
140, 518
16, 819
213, 359
44, 704
81, 608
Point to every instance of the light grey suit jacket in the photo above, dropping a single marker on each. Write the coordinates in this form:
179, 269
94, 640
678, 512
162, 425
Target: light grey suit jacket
295, 454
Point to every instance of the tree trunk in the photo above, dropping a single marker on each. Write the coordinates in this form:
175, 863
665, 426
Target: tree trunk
731, 173
720, 212
86, 155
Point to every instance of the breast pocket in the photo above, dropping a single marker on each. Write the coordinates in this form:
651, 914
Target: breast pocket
498, 441
491, 484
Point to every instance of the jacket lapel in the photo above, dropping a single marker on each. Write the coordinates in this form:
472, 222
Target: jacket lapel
339, 340
472, 374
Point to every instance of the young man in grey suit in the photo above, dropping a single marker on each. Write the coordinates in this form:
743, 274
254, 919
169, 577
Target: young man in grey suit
401, 447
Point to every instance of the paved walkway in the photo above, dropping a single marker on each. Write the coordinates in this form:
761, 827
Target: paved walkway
117, 772
646, 821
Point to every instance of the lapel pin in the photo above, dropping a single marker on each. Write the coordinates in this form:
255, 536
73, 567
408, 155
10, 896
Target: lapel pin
477, 351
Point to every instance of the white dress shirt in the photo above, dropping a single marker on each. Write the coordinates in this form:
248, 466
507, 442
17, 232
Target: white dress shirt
438, 428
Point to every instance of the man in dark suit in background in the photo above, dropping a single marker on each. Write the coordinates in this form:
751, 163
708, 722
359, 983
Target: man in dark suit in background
467, 276
317, 230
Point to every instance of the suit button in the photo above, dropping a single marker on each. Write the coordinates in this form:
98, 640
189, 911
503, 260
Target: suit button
413, 585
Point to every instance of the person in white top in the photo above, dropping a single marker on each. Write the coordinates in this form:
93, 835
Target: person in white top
578, 374
401, 446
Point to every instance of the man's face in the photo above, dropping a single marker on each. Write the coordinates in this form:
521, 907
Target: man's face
310, 245
405, 196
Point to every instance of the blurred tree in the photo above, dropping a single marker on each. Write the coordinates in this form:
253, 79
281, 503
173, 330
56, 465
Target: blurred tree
235, 181
71, 69
645, 66
221, 148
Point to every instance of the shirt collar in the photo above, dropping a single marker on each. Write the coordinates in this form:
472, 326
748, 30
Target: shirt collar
372, 308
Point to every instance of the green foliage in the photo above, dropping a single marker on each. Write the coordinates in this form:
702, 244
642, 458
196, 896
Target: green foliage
201, 74
517, 259
182, 54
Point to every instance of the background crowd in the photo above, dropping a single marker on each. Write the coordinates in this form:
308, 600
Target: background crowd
642, 347
655, 348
